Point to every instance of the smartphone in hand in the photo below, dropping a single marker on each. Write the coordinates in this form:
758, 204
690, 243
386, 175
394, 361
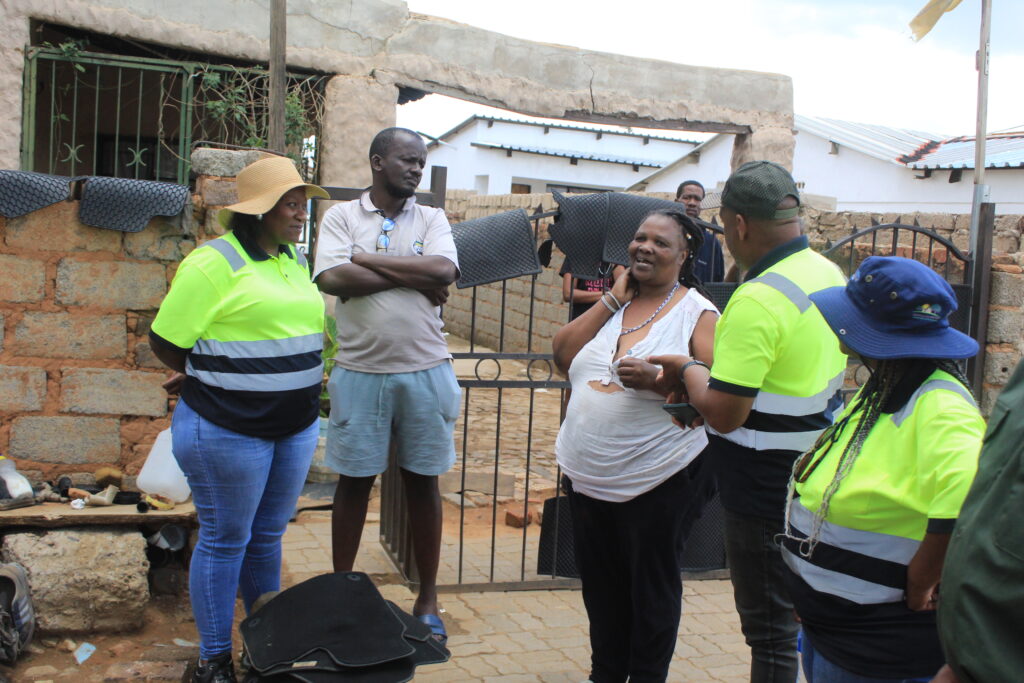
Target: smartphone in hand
684, 413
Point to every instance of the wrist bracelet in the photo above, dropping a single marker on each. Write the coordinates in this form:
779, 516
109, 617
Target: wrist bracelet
618, 304
608, 305
682, 370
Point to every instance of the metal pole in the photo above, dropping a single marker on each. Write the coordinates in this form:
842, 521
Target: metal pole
980, 188
275, 127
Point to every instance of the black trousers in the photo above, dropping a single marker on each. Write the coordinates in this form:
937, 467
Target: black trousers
627, 555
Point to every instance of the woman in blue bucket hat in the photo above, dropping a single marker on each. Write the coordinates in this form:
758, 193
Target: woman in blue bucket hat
872, 505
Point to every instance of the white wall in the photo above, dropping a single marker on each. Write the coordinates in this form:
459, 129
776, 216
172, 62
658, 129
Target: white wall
859, 182
467, 163
711, 171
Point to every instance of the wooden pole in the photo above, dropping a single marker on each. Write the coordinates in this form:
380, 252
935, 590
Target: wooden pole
278, 47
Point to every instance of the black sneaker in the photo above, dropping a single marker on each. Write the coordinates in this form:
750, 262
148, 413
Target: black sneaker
216, 670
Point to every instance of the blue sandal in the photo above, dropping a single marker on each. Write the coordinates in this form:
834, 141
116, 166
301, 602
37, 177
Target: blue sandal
436, 627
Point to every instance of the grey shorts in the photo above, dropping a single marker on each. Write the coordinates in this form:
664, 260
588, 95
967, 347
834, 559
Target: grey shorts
417, 409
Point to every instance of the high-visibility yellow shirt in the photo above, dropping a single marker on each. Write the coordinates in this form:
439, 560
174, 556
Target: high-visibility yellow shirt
252, 325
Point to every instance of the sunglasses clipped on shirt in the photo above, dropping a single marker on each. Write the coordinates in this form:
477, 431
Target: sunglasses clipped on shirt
384, 239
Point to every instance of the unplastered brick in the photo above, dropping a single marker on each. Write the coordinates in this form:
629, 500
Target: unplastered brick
70, 335
111, 284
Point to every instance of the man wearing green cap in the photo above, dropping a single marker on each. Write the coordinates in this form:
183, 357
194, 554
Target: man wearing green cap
773, 389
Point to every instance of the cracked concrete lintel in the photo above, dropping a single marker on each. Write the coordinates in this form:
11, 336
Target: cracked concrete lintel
551, 80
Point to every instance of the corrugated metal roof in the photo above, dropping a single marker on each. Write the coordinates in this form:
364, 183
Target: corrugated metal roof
571, 154
607, 130
880, 142
1002, 150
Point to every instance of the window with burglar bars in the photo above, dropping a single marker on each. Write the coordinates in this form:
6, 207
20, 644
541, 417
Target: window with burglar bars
90, 113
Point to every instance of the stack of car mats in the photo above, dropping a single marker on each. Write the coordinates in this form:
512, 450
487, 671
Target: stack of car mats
336, 627
595, 228
119, 204
494, 248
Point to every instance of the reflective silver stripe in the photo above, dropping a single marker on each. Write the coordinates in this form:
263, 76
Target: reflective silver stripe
767, 441
931, 385
280, 381
873, 544
264, 348
779, 404
235, 260
787, 288
845, 586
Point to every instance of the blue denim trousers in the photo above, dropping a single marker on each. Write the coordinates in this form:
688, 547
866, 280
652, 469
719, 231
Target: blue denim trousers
244, 489
817, 669
762, 601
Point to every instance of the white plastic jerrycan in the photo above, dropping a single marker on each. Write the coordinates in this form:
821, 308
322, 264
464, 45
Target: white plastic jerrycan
161, 473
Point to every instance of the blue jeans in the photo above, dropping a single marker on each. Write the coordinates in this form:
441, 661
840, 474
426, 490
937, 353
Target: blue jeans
762, 601
817, 669
244, 489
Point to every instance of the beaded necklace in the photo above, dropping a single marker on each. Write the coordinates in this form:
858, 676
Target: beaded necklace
653, 315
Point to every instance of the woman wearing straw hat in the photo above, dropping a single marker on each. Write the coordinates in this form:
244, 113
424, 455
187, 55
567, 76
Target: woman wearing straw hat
872, 504
242, 326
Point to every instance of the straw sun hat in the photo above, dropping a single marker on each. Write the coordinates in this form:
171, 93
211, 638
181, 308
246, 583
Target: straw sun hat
261, 184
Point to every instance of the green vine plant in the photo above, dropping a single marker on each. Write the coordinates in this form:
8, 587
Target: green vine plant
232, 107
329, 352
226, 104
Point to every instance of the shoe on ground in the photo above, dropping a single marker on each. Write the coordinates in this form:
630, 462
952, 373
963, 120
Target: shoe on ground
216, 670
17, 617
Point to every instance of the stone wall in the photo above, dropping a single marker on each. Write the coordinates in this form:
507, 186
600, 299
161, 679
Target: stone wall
79, 384
1005, 337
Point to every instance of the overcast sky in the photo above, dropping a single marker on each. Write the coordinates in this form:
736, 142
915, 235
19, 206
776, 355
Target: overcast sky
851, 60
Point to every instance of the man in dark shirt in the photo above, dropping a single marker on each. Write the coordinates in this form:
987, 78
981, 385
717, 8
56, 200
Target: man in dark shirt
710, 264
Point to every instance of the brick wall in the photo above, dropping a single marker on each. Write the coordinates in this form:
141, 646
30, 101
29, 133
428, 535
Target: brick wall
1005, 336
79, 385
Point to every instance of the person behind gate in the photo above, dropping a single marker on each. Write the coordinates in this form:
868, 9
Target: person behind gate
243, 326
390, 261
629, 472
773, 389
872, 505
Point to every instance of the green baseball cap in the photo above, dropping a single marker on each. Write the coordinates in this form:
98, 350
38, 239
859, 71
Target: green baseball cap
756, 188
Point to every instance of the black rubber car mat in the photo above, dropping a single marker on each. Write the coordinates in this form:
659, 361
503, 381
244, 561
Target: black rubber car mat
22, 192
494, 248
580, 231
341, 613
128, 205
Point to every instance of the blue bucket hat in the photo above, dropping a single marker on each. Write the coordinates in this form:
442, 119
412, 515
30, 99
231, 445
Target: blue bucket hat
894, 307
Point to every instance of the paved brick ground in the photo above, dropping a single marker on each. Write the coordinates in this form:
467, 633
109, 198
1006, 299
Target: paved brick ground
527, 636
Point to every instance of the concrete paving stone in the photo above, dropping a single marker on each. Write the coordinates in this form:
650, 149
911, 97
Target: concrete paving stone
712, 623
461, 650
478, 667
707, 662
525, 621
731, 672
514, 678
504, 664
504, 642
530, 642
704, 645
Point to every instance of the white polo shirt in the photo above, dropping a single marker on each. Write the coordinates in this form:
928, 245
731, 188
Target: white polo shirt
396, 330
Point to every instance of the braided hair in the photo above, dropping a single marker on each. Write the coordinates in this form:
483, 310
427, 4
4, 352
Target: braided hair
693, 234
246, 226
870, 403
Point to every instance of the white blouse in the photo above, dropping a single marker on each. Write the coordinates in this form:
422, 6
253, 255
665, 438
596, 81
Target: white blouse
616, 446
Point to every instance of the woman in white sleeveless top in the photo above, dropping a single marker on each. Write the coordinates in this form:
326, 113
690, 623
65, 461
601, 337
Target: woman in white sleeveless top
630, 470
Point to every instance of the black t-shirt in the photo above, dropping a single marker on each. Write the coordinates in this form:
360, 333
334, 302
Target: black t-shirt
598, 285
